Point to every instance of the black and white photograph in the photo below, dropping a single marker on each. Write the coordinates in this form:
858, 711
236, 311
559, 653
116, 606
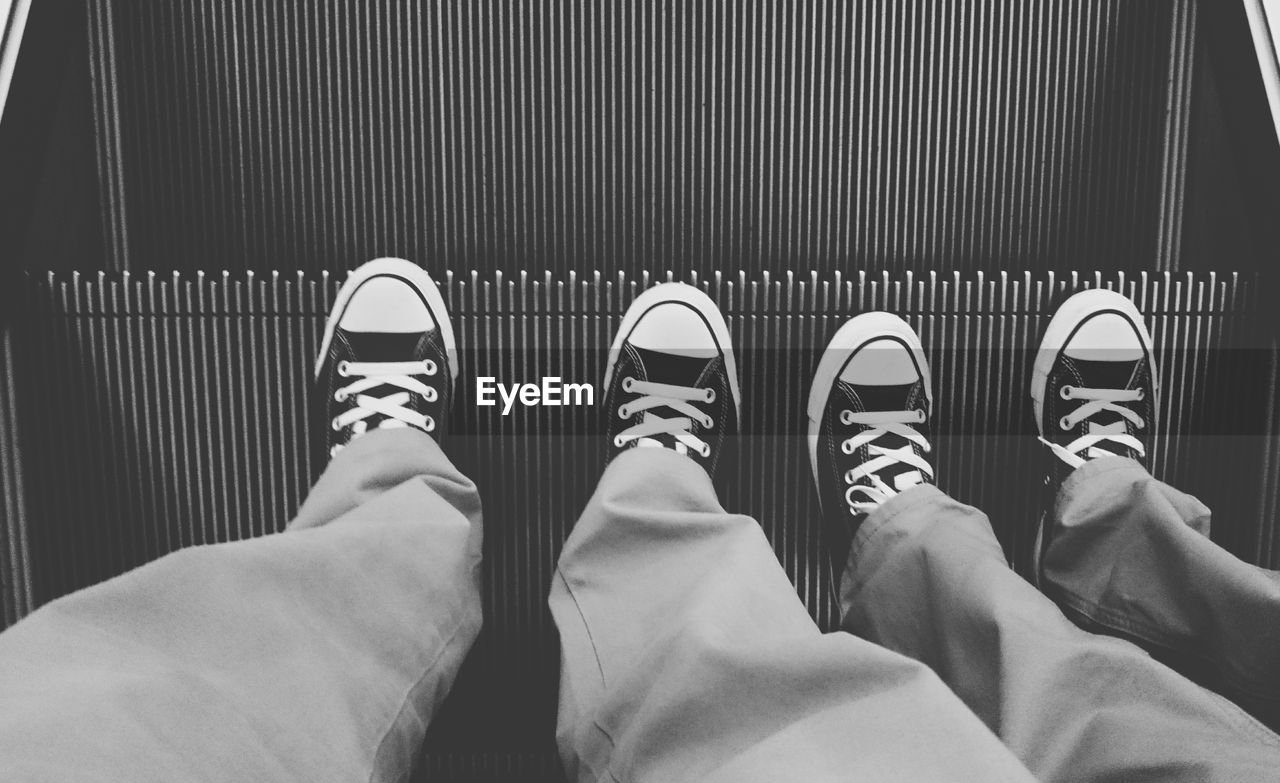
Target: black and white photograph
639, 391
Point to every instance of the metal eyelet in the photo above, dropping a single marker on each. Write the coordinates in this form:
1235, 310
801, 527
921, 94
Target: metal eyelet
432, 395
617, 441
430, 424
711, 395
708, 422
705, 450
343, 367
920, 415
340, 395
334, 424
846, 446
627, 383
1142, 394
1064, 423
846, 417
430, 367
1065, 392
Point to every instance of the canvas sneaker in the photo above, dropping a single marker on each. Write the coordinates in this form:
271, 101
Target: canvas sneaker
671, 380
1093, 387
388, 357
869, 410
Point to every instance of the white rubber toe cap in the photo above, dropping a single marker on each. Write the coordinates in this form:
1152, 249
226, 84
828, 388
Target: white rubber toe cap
1107, 337
675, 328
386, 304
884, 362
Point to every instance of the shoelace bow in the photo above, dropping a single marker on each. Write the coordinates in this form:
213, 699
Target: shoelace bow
880, 424
392, 407
664, 395
1098, 401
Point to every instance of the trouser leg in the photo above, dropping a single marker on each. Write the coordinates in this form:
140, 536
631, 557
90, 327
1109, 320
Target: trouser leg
687, 655
1131, 556
316, 654
927, 578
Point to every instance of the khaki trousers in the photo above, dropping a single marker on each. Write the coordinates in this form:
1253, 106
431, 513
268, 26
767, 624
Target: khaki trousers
319, 654
322, 653
687, 656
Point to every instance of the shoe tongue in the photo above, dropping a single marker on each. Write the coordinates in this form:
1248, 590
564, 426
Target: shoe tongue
1106, 375
893, 397
386, 347
382, 346
676, 370
670, 368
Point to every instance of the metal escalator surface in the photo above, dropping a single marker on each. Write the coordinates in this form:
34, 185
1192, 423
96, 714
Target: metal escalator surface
686, 136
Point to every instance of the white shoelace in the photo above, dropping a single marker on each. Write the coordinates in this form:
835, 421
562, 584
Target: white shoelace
1088, 445
881, 423
371, 375
664, 395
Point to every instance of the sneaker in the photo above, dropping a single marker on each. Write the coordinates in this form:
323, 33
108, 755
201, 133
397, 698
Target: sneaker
1093, 387
671, 380
868, 423
388, 357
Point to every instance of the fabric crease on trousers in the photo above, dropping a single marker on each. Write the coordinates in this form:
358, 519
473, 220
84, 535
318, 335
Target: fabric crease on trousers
323, 652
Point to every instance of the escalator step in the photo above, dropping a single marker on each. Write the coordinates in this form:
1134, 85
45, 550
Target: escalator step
687, 136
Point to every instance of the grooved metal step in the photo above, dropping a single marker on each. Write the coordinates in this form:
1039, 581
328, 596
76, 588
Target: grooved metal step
160, 411
687, 136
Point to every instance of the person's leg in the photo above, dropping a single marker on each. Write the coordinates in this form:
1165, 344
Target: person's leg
1121, 552
925, 576
319, 653
1129, 555
316, 654
686, 652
